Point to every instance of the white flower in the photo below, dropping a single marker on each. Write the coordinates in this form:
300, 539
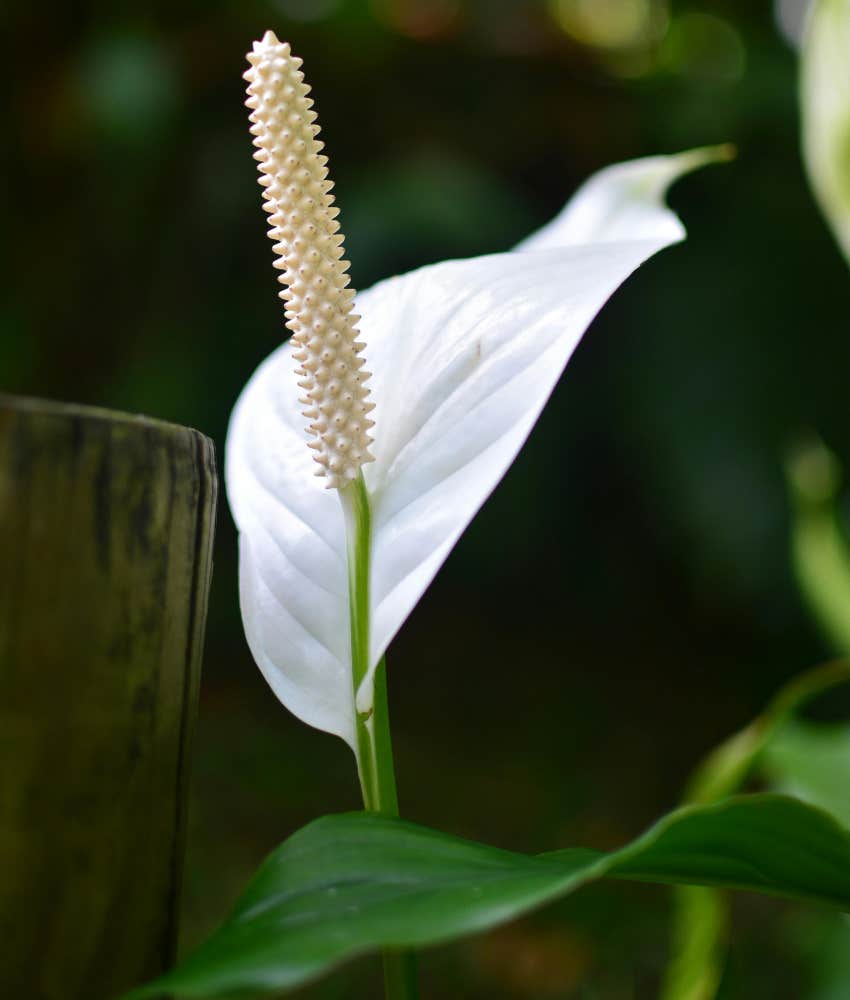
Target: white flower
464, 355
825, 100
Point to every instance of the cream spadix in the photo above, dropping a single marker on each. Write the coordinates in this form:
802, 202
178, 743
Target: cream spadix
319, 302
465, 354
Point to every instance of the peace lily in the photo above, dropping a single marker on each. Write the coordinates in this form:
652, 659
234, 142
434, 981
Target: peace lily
464, 353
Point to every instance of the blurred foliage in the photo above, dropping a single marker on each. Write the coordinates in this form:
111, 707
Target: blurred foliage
808, 760
819, 547
607, 618
799, 757
825, 107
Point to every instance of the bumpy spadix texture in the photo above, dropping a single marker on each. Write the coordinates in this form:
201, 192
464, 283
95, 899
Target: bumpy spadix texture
319, 303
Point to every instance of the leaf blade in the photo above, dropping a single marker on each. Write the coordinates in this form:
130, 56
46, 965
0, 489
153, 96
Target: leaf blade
355, 883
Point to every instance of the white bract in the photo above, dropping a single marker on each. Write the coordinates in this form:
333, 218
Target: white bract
465, 354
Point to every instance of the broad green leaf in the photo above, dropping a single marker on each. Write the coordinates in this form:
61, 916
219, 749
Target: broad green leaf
825, 99
464, 355
356, 883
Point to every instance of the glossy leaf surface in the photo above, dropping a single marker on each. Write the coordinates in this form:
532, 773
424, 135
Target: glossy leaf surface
355, 883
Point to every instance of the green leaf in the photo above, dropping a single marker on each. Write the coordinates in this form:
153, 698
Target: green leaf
355, 883
812, 762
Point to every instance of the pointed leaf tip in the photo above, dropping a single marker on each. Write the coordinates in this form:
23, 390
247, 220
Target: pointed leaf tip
704, 156
626, 201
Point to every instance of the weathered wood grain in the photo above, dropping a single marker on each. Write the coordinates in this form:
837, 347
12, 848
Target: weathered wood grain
106, 526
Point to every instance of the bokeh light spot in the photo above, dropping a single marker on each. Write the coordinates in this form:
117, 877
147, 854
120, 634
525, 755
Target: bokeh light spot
128, 87
706, 48
612, 24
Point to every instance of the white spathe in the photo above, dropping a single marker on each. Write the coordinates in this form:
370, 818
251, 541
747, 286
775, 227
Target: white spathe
465, 354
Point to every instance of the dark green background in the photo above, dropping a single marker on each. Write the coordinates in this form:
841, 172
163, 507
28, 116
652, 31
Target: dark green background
625, 599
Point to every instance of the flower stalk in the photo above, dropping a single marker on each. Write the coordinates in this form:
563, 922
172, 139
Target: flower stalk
372, 723
319, 313
374, 748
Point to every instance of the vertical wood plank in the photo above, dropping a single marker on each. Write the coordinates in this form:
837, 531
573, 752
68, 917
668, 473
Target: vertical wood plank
106, 528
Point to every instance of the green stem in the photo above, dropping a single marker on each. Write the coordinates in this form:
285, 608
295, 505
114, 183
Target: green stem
400, 975
371, 714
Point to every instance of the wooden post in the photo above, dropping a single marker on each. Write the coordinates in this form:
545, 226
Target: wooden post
106, 527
